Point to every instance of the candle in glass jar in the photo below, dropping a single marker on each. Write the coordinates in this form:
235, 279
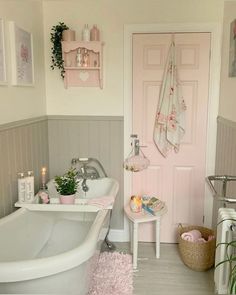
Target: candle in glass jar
43, 174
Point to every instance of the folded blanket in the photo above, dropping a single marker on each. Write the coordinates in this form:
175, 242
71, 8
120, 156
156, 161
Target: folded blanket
102, 202
201, 240
192, 235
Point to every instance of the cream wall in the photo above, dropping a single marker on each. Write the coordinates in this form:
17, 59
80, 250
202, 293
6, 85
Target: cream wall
16, 102
110, 16
227, 104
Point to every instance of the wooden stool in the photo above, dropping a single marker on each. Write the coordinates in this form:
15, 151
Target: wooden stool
141, 217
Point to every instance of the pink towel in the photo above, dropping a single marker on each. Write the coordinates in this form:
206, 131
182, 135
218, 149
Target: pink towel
210, 238
102, 202
201, 240
192, 235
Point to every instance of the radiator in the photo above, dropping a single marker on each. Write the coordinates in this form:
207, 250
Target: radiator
224, 234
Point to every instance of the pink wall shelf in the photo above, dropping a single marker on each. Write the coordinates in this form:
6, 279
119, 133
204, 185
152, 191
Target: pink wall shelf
83, 63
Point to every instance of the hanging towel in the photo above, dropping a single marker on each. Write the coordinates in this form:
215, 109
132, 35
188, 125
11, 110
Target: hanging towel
169, 122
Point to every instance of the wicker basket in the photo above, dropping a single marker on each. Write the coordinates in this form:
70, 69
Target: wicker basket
197, 256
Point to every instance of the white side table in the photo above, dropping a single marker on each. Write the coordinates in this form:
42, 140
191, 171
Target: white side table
141, 217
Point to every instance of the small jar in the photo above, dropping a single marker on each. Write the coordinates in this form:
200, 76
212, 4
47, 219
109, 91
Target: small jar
135, 204
43, 195
68, 35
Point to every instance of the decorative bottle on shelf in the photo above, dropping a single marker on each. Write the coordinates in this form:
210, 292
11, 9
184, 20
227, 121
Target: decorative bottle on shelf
86, 33
43, 194
86, 58
21, 188
79, 58
29, 187
94, 33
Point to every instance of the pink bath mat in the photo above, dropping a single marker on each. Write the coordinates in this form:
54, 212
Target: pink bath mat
113, 275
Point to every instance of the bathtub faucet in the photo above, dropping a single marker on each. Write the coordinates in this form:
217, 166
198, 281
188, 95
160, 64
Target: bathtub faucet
85, 188
85, 170
86, 163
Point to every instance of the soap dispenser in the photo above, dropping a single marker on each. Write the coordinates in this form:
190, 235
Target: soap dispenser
21, 188
29, 186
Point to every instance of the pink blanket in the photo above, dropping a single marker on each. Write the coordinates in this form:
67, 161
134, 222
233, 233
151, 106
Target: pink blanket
192, 236
102, 202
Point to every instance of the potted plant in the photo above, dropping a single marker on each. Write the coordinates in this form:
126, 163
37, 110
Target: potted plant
66, 186
56, 38
230, 259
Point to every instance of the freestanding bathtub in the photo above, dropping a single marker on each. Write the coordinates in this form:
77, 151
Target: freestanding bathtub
53, 252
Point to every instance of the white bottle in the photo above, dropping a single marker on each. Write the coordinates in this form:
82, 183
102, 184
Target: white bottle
21, 188
29, 187
86, 33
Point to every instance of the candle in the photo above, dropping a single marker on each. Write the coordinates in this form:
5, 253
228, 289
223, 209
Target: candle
43, 174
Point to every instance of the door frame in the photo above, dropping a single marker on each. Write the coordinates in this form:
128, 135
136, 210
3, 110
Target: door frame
213, 102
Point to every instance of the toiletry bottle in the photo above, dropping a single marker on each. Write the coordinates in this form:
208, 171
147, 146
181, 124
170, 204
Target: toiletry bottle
43, 194
86, 33
21, 188
29, 187
94, 33
86, 60
79, 58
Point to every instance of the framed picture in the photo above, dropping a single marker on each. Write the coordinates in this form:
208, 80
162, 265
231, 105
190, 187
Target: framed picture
21, 43
3, 78
232, 50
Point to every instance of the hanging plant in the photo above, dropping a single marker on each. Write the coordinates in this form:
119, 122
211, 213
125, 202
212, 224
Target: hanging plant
56, 57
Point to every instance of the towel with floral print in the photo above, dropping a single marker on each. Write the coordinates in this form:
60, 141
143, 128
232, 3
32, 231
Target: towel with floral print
169, 121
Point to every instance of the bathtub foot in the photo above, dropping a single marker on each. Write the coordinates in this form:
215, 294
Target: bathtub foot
110, 245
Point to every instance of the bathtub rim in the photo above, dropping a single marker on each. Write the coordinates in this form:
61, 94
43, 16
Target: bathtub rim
23, 270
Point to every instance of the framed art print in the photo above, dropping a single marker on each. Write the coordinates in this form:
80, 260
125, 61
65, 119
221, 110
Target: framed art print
22, 56
3, 78
232, 50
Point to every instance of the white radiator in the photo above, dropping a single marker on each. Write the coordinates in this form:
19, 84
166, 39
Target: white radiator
224, 235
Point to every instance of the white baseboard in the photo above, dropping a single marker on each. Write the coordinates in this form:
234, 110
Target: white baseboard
118, 235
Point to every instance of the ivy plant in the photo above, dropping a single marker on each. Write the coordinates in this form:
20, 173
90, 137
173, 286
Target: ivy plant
56, 57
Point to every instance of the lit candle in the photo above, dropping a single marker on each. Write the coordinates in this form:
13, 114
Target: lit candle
43, 174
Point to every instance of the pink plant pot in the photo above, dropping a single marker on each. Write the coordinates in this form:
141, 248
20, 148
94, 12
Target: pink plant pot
67, 199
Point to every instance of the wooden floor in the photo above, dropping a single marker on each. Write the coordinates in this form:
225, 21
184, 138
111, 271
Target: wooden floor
167, 275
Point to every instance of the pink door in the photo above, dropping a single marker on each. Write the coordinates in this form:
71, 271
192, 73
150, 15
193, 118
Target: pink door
178, 179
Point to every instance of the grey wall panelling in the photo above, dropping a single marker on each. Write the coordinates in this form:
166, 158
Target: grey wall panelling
225, 160
89, 136
23, 147
29, 144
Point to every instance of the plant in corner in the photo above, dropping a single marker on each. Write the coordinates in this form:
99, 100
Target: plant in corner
230, 260
56, 57
66, 186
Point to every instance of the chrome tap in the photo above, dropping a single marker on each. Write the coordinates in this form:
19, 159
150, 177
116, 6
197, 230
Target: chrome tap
84, 177
87, 171
85, 188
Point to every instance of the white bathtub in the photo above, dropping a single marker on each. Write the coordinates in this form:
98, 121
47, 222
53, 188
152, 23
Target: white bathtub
52, 252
